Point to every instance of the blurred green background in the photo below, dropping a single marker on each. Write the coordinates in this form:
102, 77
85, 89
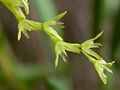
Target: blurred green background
29, 64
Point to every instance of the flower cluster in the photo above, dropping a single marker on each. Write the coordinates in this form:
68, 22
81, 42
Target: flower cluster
60, 46
98, 62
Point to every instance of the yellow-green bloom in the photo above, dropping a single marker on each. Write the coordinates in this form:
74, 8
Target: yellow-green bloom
24, 25
101, 66
89, 44
49, 25
99, 63
27, 25
61, 48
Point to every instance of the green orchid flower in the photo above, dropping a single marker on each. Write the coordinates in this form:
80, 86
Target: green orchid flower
98, 62
59, 52
27, 25
89, 44
61, 48
56, 20
49, 25
101, 66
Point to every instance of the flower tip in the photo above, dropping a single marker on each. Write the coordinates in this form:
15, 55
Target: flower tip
111, 72
27, 11
56, 64
58, 17
105, 82
100, 34
18, 39
27, 37
19, 35
65, 12
26, 6
113, 62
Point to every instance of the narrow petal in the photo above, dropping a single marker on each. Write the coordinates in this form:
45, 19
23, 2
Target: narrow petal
56, 60
58, 17
19, 35
92, 53
97, 36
